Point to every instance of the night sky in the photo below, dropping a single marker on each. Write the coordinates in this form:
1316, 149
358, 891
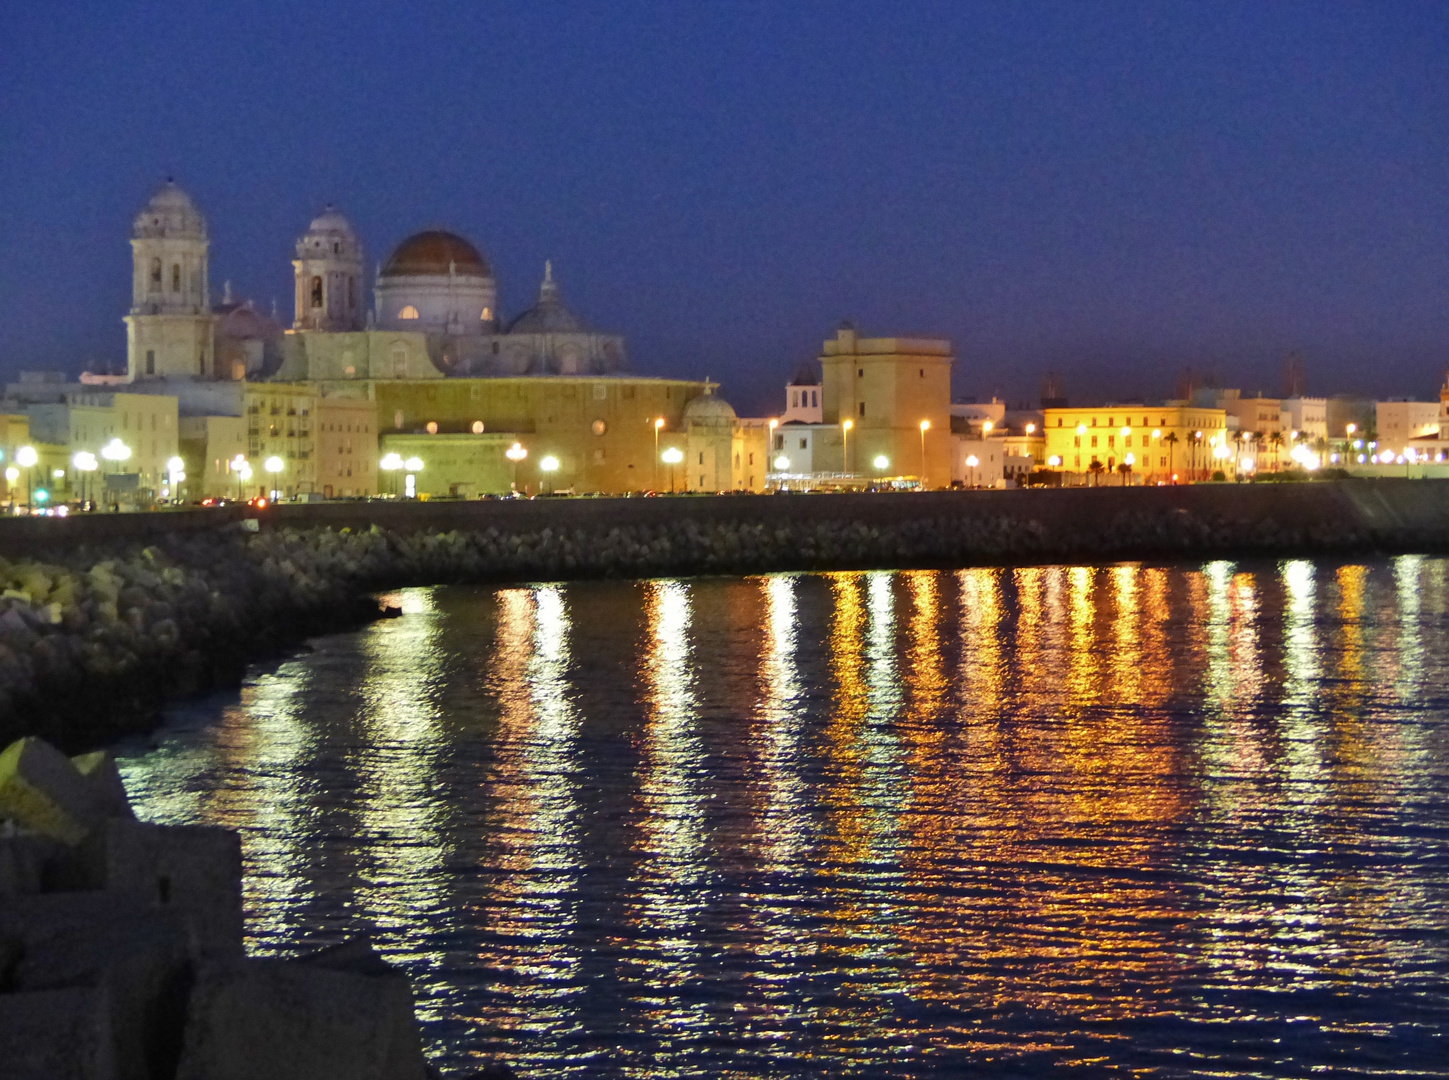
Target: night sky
1113, 191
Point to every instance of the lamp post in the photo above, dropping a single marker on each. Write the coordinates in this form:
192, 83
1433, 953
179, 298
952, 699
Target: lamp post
274, 466
85, 463
176, 473
26, 457
412, 466
658, 425
548, 465
972, 461
390, 464
12, 477
845, 426
925, 427
236, 465
515, 454
672, 456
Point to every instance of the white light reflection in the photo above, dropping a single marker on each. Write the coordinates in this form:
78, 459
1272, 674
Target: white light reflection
402, 813
785, 812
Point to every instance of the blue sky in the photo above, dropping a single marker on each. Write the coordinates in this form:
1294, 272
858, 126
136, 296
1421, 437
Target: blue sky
1111, 191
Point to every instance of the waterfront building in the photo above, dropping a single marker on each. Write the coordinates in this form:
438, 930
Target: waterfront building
802, 399
90, 420
1307, 417
1165, 443
896, 395
978, 461
208, 445
1399, 422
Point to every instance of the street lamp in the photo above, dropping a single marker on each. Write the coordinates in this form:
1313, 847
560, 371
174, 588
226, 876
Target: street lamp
881, 462
971, 462
845, 426
239, 466
26, 457
412, 467
274, 465
672, 456
390, 464
85, 463
515, 454
175, 472
925, 427
548, 464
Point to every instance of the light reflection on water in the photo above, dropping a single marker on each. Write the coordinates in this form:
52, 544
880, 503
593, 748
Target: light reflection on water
1187, 820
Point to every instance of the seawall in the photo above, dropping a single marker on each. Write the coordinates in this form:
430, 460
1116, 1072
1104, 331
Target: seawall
103, 618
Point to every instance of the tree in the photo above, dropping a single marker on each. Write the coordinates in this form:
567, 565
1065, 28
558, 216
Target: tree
1096, 468
1275, 440
1126, 471
1171, 440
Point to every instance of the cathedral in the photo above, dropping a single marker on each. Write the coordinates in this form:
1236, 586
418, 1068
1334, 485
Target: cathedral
434, 311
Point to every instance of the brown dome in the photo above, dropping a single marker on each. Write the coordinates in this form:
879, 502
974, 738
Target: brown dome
434, 252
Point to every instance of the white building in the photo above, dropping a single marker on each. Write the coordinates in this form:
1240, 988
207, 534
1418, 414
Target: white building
1307, 416
169, 329
1400, 421
978, 462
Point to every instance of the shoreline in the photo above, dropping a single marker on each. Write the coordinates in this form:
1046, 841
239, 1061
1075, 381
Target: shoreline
96, 637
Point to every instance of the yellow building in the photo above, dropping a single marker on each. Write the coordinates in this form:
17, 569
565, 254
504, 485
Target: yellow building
346, 429
1158, 443
208, 445
14, 433
895, 394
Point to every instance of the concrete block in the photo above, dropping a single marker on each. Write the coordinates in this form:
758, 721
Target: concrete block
99, 769
290, 1020
193, 869
25, 860
43, 790
57, 1035
139, 956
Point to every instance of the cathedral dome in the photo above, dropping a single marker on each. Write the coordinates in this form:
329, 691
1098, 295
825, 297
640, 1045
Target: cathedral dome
436, 253
707, 409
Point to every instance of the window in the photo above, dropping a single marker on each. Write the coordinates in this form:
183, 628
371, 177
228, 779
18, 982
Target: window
1094, 440
175, 277
779, 442
155, 275
862, 408
336, 248
701, 461
408, 312
860, 373
317, 292
1112, 440
815, 399
1059, 421
151, 361
487, 314
804, 445
1077, 441
794, 399
923, 373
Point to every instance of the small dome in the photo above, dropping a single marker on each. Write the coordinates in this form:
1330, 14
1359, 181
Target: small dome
170, 212
437, 253
329, 234
548, 316
331, 221
707, 409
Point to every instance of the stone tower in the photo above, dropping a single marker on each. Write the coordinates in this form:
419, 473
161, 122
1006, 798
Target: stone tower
168, 332
329, 276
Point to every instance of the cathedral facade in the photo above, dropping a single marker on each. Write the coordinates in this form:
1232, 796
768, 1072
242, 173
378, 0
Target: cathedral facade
434, 311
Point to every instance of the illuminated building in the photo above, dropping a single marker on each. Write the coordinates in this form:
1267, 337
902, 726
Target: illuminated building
1164, 441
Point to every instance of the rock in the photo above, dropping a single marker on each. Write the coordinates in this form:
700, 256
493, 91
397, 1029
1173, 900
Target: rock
288, 1020
99, 769
25, 857
193, 869
57, 1035
41, 789
138, 956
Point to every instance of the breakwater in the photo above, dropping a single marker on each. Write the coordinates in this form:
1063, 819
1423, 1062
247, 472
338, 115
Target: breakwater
103, 618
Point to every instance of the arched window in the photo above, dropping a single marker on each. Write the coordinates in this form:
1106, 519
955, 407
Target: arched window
316, 292
175, 277
351, 292
400, 360
487, 314
155, 275
408, 312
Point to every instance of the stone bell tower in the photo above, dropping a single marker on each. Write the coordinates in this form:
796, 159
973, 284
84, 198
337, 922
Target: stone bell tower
169, 329
328, 270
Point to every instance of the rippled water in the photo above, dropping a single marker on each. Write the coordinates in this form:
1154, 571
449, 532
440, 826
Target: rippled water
1184, 820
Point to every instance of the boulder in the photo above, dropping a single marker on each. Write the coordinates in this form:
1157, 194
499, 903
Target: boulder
57, 1035
99, 769
26, 858
291, 1020
139, 956
43, 790
195, 870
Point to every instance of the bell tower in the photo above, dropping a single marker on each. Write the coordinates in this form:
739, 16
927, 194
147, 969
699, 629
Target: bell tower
169, 329
328, 271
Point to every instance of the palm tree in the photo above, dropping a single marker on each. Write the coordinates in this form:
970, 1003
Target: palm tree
1125, 470
1171, 440
1096, 468
1275, 440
